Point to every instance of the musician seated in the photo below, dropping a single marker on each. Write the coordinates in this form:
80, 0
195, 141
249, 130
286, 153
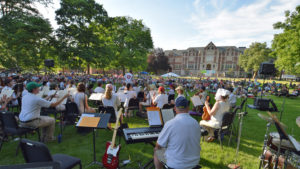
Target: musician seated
80, 98
99, 89
161, 99
178, 144
31, 108
216, 113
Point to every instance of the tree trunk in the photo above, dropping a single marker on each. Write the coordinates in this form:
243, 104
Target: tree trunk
281, 72
123, 69
88, 69
254, 75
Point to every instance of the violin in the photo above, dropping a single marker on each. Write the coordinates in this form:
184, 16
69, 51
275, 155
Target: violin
205, 115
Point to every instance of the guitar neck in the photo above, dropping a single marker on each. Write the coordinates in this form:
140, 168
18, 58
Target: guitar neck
116, 129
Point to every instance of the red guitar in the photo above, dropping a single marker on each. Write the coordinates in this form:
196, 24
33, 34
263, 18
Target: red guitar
110, 158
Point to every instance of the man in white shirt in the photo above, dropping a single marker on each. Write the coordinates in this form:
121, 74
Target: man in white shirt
99, 89
178, 144
31, 108
161, 99
128, 77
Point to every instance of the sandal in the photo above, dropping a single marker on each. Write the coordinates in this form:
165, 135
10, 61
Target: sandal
210, 139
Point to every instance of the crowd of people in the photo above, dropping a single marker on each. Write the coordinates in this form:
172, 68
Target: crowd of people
173, 148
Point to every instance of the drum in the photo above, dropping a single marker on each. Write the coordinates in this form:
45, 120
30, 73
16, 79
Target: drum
269, 161
274, 141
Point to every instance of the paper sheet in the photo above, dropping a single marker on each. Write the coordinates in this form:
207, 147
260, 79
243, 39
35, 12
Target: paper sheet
154, 118
6, 92
167, 114
122, 96
72, 91
196, 101
96, 96
84, 115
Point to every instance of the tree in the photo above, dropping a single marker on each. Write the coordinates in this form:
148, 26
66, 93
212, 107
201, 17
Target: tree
132, 42
24, 34
158, 62
75, 33
254, 56
286, 45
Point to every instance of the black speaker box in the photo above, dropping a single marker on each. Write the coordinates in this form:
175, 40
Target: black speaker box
49, 63
267, 69
262, 104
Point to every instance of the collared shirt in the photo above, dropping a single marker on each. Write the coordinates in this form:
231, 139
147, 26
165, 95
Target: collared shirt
31, 107
181, 138
161, 100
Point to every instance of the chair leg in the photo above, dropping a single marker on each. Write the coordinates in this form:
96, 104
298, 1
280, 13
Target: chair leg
80, 165
2, 141
230, 136
39, 135
220, 139
18, 146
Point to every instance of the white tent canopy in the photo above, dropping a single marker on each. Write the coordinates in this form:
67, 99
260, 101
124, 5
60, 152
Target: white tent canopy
170, 74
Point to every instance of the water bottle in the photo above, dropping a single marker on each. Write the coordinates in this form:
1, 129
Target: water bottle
59, 138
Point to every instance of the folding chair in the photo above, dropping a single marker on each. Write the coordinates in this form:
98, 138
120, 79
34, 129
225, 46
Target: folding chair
38, 152
226, 125
72, 113
10, 128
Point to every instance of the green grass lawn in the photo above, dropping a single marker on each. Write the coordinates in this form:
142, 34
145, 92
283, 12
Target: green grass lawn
212, 156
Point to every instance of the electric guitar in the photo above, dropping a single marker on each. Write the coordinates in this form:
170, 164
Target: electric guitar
110, 158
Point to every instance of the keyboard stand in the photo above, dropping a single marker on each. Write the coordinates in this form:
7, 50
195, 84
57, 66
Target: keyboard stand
149, 164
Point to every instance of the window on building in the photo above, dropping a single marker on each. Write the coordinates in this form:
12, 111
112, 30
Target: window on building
191, 66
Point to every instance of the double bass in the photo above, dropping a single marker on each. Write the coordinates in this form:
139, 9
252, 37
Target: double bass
205, 115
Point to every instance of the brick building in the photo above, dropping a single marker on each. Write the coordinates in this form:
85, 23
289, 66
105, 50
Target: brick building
211, 60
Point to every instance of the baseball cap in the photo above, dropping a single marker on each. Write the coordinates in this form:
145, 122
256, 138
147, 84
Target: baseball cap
32, 85
181, 103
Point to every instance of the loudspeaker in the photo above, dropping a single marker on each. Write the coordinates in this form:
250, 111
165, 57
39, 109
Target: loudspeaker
267, 69
262, 104
49, 63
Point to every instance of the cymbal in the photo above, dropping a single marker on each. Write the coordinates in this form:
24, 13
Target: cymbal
264, 117
298, 121
270, 120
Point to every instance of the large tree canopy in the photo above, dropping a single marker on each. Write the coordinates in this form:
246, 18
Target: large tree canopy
24, 34
75, 33
286, 45
254, 56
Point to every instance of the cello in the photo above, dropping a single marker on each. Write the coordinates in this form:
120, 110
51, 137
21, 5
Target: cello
205, 115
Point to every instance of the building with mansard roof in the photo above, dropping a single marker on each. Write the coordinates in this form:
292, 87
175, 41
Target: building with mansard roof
210, 60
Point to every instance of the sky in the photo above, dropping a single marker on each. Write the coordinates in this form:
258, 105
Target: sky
180, 24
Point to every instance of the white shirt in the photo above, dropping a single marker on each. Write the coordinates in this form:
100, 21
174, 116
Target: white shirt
62, 85
113, 102
24, 92
128, 77
181, 138
161, 100
232, 99
99, 90
31, 107
129, 95
79, 99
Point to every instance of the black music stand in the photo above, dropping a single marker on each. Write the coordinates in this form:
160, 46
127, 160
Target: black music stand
104, 119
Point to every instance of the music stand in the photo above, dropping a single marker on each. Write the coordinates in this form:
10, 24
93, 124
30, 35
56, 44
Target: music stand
102, 124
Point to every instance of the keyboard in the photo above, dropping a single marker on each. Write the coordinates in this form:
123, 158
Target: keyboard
145, 134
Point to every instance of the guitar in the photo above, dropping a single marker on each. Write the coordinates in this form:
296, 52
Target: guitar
110, 158
205, 115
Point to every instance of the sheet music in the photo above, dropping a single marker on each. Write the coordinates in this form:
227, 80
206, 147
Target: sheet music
45, 90
154, 118
7, 92
167, 114
72, 91
51, 92
96, 96
122, 96
196, 101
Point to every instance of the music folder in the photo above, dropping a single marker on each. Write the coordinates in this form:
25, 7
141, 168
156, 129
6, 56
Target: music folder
157, 118
196, 101
88, 120
96, 96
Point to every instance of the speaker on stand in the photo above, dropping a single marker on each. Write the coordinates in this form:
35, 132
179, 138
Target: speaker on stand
48, 64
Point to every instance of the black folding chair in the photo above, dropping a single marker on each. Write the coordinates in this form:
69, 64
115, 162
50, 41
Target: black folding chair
168, 106
140, 96
226, 125
38, 152
72, 113
133, 104
11, 128
171, 97
110, 110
